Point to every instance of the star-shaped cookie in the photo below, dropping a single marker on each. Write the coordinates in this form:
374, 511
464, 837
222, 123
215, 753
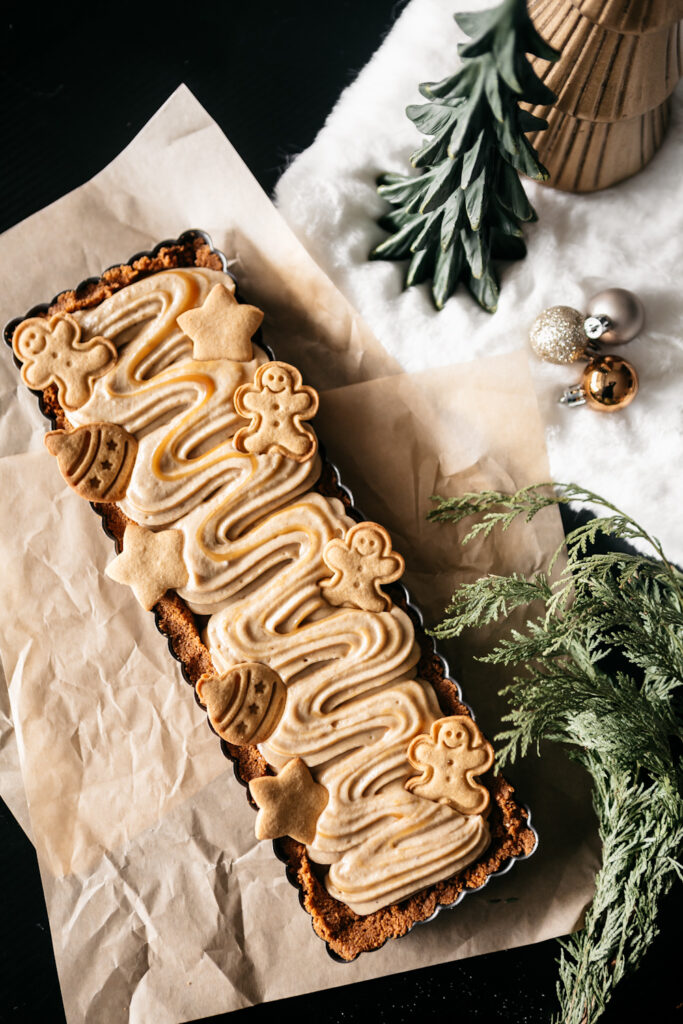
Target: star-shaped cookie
290, 803
222, 327
150, 563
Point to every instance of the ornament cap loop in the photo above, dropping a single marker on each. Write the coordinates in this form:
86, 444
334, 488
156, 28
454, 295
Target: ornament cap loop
575, 395
595, 326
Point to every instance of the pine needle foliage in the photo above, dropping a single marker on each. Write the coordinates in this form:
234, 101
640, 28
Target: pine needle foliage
601, 672
467, 206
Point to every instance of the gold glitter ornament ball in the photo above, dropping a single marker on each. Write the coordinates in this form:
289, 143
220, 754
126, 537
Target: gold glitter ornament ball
557, 335
609, 384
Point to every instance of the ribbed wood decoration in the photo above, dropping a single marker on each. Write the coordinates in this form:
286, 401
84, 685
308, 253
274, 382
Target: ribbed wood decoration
589, 155
620, 16
612, 87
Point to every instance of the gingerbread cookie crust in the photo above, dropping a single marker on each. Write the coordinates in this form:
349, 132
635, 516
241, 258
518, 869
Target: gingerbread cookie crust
346, 933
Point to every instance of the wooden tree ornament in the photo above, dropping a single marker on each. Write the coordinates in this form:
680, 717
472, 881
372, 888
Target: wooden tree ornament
620, 61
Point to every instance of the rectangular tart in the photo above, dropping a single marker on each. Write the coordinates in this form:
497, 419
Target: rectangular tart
367, 719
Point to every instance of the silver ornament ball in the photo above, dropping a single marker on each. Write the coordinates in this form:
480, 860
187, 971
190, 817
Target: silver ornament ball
622, 313
557, 335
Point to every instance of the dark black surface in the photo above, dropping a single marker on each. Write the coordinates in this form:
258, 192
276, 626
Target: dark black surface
78, 82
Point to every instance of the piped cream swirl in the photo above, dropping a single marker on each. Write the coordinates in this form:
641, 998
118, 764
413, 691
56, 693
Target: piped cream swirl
254, 535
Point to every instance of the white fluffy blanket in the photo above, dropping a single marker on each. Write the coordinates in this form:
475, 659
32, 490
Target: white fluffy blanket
630, 236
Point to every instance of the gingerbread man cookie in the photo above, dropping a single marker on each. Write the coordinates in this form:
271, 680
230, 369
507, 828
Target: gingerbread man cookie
276, 403
448, 759
52, 353
361, 563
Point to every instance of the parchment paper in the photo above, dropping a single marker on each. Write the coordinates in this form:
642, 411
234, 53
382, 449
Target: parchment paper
162, 905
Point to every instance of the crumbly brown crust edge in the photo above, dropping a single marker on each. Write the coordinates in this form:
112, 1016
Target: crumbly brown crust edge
346, 933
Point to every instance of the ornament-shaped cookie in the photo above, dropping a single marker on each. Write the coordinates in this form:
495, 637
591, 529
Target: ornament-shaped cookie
449, 759
276, 403
361, 563
245, 704
52, 353
96, 460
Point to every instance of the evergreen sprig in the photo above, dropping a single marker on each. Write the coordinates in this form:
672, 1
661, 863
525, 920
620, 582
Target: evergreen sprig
602, 673
467, 206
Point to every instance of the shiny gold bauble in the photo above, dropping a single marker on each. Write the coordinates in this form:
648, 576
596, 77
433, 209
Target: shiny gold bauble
609, 383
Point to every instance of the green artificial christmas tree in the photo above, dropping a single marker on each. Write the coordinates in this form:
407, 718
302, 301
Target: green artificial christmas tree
466, 208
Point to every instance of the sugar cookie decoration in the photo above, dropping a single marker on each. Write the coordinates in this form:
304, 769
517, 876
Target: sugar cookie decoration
52, 353
96, 460
361, 563
245, 704
222, 327
276, 403
448, 759
290, 803
150, 563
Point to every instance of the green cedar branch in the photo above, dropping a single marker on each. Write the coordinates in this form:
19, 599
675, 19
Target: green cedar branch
601, 672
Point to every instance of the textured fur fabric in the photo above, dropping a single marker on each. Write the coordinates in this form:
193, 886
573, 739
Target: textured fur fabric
629, 235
